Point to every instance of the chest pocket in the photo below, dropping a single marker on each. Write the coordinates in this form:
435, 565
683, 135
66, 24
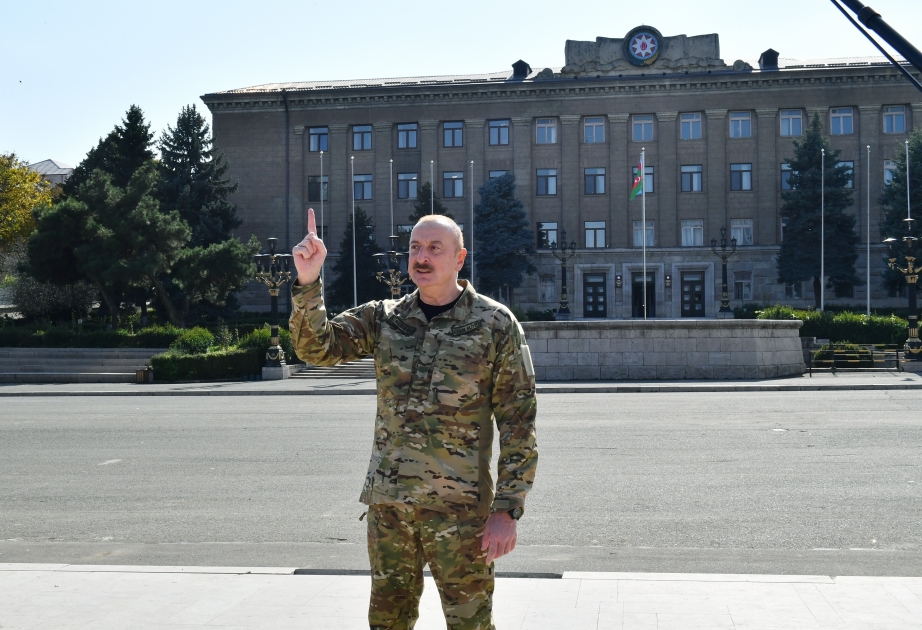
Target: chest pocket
394, 357
463, 368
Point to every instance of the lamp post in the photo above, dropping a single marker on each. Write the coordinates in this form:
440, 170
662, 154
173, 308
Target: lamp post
273, 270
393, 267
724, 257
563, 311
912, 347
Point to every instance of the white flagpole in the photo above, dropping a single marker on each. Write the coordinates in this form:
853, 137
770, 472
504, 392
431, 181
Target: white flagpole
323, 264
471, 244
868, 187
822, 229
643, 224
431, 187
908, 207
392, 198
355, 280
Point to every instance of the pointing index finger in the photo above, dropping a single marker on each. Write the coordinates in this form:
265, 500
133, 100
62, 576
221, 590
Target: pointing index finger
311, 222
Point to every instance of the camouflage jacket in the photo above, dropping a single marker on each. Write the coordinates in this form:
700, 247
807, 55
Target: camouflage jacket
440, 386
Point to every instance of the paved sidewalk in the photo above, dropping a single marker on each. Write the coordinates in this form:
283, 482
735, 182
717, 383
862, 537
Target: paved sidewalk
324, 386
67, 596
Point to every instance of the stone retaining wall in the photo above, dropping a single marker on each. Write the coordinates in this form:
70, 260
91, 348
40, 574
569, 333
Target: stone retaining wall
665, 349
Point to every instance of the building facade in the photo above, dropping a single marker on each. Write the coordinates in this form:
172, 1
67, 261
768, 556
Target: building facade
716, 138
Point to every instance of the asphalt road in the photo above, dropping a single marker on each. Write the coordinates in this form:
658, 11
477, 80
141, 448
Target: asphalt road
787, 482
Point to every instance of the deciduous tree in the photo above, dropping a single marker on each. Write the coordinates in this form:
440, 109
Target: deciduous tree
22, 190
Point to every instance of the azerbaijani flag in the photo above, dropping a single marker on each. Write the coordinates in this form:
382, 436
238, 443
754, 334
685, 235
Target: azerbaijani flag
638, 181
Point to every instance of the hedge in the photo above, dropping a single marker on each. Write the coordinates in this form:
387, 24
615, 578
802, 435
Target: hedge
65, 337
173, 366
259, 339
844, 327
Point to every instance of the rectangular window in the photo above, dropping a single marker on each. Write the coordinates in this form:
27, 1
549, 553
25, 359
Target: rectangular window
317, 190
889, 171
495, 174
691, 178
741, 230
642, 128
547, 291
793, 291
741, 177
894, 119
639, 231
742, 285
453, 134
406, 135
693, 233
648, 180
452, 184
361, 185
546, 131
740, 124
595, 233
404, 231
841, 121
547, 181
499, 132
595, 181
792, 122
361, 138
849, 168
319, 138
406, 185
786, 176
594, 130
547, 235
690, 126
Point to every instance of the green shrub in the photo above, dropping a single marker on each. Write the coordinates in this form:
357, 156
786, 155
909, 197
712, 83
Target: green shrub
193, 341
842, 327
259, 339
174, 366
68, 337
750, 310
519, 313
540, 316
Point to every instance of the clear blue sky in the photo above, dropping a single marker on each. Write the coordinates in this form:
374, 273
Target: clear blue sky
72, 69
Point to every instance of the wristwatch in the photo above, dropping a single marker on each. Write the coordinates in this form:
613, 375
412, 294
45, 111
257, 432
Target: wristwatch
516, 513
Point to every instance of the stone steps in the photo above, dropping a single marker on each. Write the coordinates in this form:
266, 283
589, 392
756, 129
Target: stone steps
361, 369
73, 365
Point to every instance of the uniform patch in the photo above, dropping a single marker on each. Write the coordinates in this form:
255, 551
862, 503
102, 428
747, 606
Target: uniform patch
399, 325
463, 329
526, 356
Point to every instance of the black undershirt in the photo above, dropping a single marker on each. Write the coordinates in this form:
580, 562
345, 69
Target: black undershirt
431, 311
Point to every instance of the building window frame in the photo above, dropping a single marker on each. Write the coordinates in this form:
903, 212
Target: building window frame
786, 172
742, 285
741, 176
889, 171
692, 178
841, 121
894, 119
453, 134
741, 230
741, 124
361, 137
594, 130
499, 132
595, 234
318, 139
638, 233
546, 131
546, 182
407, 134
497, 173
690, 126
546, 232
362, 187
594, 181
693, 233
407, 185
792, 123
850, 170
642, 128
794, 291
318, 189
452, 184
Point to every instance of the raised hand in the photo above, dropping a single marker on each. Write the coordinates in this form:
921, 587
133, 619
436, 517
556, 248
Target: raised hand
310, 253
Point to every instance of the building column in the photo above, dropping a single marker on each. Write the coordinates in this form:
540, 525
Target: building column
768, 176
474, 145
339, 208
299, 185
868, 134
717, 211
383, 151
620, 229
429, 151
666, 187
568, 178
521, 163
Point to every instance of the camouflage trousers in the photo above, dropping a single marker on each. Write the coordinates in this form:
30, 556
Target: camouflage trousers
402, 539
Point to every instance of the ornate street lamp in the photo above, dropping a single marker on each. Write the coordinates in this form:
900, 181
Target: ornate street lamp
563, 311
393, 267
273, 270
724, 257
913, 346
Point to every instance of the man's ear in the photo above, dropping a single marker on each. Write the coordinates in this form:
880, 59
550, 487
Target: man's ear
462, 255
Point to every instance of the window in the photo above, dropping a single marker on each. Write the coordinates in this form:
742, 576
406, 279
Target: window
406, 185
786, 177
742, 285
840, 121
849, 167
792, 122
741, 230
404, 231
319, 138
361, 185
740, 124
499, 132
691, 178
547, 235
693, 233
453, 134
406, 136
594, 130
452, 184
317, 190
595, 181
648, 180
595, 233
547, 291
642, 127
889, 171
361, 138
638, 234
793, 291
894, 119
547, 181
741, 177
691, 126
547, 131
495, 174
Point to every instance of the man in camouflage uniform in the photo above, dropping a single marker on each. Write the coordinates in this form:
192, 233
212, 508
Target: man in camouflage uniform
449, 362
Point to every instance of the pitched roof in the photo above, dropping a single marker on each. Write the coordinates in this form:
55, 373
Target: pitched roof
52, 167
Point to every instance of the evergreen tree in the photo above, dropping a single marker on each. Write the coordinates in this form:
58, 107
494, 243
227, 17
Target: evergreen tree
799, 256
424, 204
504, 239
340, 294
893, 204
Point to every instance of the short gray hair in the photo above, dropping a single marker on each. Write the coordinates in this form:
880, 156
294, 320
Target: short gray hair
446, 222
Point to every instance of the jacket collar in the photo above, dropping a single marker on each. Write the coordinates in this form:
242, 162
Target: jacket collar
409, 308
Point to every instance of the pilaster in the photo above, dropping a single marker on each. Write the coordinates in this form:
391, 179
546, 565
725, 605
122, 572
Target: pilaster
568, 176
522, 165
869, 134
619, 228
429, 151
336, 160
475, 153
666, 172
383, 186
717, 211
768, 176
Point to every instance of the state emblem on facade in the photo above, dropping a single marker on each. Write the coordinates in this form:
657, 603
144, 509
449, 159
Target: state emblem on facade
642, 45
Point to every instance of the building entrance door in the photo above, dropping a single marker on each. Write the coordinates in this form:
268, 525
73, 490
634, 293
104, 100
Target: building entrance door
595, 301
693, 294
637, 295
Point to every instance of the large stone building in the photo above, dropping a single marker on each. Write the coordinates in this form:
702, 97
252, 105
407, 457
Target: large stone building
716, 139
